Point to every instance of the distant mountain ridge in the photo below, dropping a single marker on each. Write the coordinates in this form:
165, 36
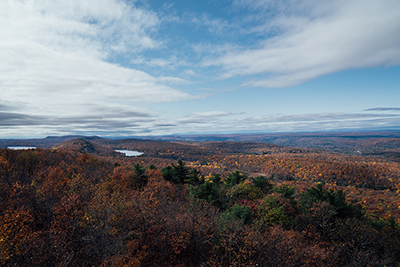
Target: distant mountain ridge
383, 143
46, 142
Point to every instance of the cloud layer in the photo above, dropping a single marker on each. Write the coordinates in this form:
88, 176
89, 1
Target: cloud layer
103, 66
55, 61
315, 38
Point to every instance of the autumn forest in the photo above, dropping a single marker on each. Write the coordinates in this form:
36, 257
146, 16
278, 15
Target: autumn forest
77, 202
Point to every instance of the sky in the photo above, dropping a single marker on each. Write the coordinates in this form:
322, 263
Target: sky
152, 67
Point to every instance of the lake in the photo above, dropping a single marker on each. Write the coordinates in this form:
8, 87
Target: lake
130, 153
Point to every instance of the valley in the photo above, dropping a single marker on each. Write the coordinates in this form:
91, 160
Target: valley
330, 201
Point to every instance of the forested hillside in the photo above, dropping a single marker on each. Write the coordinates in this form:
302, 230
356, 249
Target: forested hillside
197, 204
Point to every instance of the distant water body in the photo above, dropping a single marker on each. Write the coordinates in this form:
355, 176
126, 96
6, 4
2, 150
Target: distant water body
130, 153
21, 147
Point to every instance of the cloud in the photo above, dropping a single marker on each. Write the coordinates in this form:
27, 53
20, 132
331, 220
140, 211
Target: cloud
225, 122
318, 122
107, 117
95, 27
316, 38
189, 72
66, 66
215, 26
210, 117
317, 117
5, 107
16, 119
169, 63
109, 121
55, 63
209, 114
164, 125
172, 80
382, 109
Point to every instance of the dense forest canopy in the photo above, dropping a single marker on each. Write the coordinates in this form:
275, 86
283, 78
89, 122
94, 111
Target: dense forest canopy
198, 204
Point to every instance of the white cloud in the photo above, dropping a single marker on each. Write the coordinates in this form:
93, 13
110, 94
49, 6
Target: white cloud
52, 78
169, 63
57, 70
389, 109
189, 73
320, 117
172, 80
319, 39
206, 118
94, 27
53, 58
215, 26
227, 122
209, 114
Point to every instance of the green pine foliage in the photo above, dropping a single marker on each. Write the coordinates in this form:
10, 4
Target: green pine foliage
73, 209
